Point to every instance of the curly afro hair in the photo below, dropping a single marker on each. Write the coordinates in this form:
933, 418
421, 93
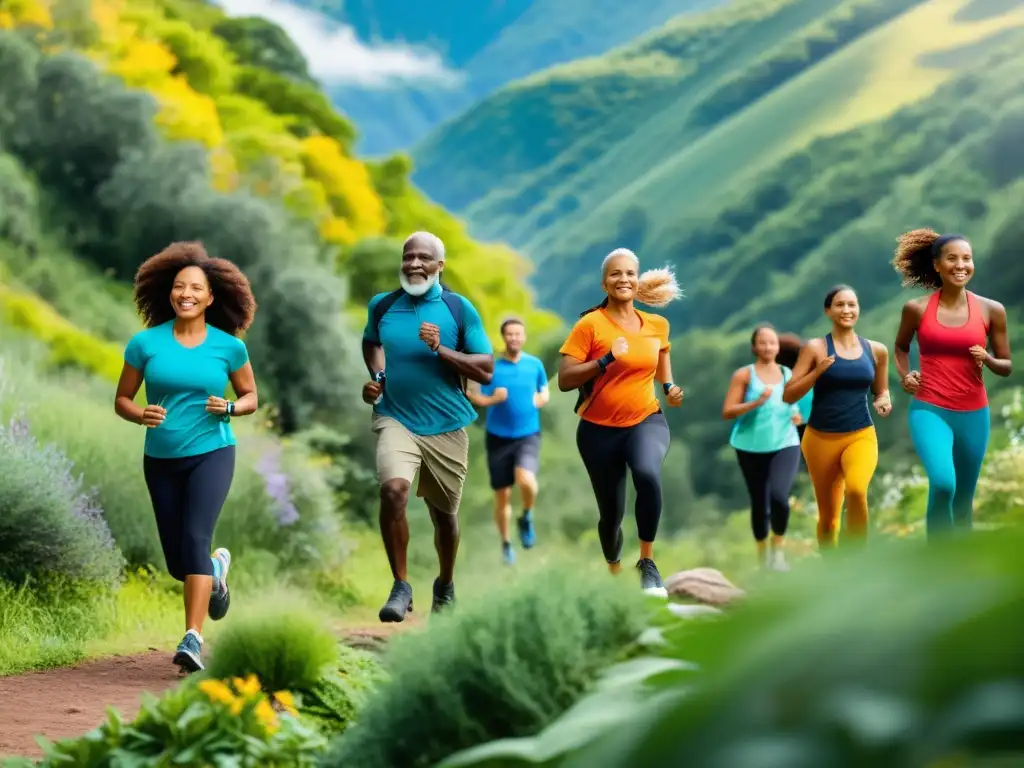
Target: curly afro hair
915, 257
233, 308
790, 345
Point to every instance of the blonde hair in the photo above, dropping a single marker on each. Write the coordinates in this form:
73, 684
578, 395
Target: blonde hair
655, 287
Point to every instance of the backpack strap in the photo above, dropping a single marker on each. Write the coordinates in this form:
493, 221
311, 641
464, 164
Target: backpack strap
586, 389
454, 303
382, 308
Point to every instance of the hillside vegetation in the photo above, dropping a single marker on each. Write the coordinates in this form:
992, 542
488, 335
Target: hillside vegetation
485, 44
767, 150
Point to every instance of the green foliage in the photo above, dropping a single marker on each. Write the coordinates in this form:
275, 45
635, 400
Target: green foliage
19, 223
49, 523
202, 57
284, 646
198, 723
257, 42
334, 701
501, 666
897, 655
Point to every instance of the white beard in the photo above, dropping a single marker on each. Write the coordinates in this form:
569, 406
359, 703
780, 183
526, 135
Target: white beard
417, 289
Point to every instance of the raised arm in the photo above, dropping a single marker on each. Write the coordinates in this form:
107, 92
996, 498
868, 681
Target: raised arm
128, 386
243, 382
909, 321
575, 369
477, 362
811, 363
734, 407
999, 362
478, 397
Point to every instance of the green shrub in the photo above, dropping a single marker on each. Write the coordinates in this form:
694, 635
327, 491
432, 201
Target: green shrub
333, 703
504, 666
906, 654
49, 524
200, 723
286, 647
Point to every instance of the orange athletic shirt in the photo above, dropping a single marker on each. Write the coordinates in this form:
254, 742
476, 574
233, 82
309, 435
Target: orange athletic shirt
624, 394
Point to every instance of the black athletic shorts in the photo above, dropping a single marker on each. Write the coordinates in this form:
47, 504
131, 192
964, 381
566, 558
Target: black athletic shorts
504, 454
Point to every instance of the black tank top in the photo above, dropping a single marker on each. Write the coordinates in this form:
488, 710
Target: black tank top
841, 393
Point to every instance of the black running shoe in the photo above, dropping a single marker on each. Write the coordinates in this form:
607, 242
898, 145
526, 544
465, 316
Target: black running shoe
650, 579
444, 597
399, 602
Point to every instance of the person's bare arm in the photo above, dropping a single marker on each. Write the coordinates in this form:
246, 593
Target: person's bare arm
909, 321
573, 373
243, 382
734, 407
373, 356
541, 397
999, 362
128, 386
809, 366
478, 398
880, 385
478, 368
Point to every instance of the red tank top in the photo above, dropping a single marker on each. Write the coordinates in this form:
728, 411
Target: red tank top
949, 376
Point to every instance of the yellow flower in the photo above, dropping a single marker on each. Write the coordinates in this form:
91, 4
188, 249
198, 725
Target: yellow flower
217, 691
248, 687
287, 702
266, 715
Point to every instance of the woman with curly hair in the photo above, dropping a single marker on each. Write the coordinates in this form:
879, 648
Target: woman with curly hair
194, 307
949, 415
766, 442
840, 445
613, 355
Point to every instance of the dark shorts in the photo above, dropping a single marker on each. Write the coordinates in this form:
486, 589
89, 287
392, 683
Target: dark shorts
504, 454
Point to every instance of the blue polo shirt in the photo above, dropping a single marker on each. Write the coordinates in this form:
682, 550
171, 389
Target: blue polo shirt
517, 416
420, 391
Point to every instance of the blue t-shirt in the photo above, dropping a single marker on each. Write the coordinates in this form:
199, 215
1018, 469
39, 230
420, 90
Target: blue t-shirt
420, 390
180, 379
517, 416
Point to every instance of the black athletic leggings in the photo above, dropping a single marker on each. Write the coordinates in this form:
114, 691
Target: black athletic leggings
769, 478
606, 453
187, 496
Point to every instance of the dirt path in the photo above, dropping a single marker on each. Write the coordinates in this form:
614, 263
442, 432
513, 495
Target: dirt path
69, 702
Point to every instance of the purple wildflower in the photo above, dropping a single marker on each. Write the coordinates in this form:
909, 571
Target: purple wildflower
278, 486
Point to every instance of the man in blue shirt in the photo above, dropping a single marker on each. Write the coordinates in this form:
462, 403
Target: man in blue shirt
518, 389
420, 409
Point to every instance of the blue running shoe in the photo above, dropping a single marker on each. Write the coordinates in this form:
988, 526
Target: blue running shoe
189, 653
398, 604
508, 553
220, 597
527, 537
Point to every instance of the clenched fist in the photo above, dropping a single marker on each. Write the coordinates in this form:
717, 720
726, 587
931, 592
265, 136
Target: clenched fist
430, 334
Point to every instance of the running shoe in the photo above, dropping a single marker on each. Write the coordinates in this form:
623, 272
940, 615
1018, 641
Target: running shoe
508, 553
189, 653
399, 602
777, 561
444, 597
220, 597
527, 537
650, 579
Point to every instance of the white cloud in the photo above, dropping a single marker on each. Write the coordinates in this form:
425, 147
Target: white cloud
337, 56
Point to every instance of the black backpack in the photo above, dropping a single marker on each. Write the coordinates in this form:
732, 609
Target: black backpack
451, 300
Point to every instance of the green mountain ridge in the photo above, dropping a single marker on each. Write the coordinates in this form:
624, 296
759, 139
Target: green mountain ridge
488, 43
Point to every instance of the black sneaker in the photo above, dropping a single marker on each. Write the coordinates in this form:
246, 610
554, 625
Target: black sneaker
444, 597
650, 579
399, 602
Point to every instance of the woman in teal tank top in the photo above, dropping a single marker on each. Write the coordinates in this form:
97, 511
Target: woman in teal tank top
766, 442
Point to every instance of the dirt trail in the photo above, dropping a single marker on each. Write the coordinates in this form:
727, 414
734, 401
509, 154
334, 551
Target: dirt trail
68, 702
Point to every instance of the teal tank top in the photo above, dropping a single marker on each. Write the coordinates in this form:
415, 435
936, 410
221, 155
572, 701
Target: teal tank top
769, 427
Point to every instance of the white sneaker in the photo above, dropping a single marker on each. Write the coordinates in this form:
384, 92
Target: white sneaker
777, 561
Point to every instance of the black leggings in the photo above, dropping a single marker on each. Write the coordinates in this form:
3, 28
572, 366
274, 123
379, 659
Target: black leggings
606, 453
187, 496
769, 478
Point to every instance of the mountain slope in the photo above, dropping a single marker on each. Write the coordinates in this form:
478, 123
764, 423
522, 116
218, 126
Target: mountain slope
488, 43
665, 129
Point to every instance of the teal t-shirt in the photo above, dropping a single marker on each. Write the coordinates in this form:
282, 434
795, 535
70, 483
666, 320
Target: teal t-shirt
180, 379
804, 405
419, 389
769, 427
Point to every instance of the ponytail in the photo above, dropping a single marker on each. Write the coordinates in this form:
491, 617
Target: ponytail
658, 288
596, 307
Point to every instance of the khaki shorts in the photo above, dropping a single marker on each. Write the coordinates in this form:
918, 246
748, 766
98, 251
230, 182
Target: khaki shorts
442, 461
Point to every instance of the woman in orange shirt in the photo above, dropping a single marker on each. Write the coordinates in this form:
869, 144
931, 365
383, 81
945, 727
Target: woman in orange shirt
613, 355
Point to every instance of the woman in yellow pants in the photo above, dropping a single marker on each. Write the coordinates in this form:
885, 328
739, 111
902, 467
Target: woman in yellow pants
839, 445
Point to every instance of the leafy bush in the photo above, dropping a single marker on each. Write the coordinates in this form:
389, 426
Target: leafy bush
287, 648
203, 722
334, 701
904, 654
49, 524
504, 666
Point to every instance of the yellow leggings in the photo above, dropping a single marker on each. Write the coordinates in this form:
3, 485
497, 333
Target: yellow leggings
838, 461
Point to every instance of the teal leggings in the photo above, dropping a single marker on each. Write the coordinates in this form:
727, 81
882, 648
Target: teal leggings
951, 446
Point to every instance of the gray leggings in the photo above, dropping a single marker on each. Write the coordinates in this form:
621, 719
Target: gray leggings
607, 452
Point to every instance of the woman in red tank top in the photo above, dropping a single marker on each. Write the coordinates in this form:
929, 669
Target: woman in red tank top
949, 416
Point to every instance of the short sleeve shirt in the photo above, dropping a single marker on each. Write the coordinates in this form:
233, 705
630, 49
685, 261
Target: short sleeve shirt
180, 379
516, 416
624, 394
